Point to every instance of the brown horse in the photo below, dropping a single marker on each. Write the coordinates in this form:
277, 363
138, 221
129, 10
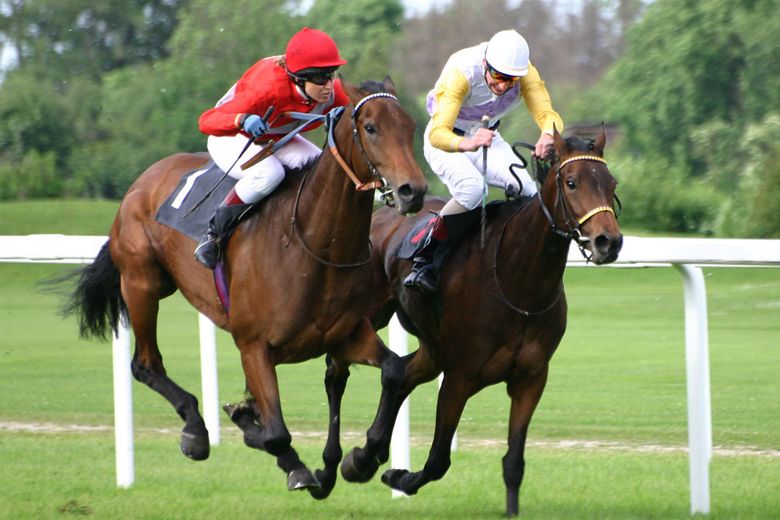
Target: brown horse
297, 271
500, 312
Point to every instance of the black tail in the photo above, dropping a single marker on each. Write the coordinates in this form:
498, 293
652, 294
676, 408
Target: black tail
97, 298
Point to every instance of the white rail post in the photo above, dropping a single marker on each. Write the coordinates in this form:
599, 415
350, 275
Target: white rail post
123, 408
208, 375
399, 444
698, 383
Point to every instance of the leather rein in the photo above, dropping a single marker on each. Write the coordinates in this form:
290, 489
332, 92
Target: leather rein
379, 183
573, 233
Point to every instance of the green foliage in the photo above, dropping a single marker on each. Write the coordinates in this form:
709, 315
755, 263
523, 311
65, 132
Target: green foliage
659, 196
694, 80
753, 209
364, 30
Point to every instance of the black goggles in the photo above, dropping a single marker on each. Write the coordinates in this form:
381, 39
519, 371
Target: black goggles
500, 76
318, 78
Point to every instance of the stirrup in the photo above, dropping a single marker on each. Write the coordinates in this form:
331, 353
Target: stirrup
423, 278
207, 252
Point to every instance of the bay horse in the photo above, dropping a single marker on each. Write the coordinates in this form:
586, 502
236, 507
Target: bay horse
500, 312
297, 272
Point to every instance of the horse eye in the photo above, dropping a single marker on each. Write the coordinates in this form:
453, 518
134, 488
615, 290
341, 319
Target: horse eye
371, 129
571, 184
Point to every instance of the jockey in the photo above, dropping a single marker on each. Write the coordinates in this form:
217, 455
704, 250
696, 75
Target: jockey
301, 80
489, 79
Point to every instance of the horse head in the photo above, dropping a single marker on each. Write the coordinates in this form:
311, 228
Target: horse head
582, 190
384, 134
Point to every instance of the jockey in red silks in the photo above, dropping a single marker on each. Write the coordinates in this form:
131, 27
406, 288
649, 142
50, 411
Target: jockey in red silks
301, 80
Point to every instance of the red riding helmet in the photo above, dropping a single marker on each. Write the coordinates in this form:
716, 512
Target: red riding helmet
310, 48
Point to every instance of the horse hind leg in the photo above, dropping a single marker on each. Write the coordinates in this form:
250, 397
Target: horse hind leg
525, 396
142, 298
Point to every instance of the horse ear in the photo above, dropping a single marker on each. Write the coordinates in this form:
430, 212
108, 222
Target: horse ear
559, 143
601, 140
353, 92
389, 85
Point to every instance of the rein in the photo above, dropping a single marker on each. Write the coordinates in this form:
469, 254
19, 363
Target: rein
572, 234
378, 183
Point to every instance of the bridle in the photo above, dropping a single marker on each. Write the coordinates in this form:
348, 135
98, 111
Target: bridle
574, 232
379, 183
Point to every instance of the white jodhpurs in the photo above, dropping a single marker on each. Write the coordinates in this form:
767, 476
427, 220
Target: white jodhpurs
260, 180
461, 172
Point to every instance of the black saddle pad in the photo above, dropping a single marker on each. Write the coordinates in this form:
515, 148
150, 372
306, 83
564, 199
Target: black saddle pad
414, 240
176, 211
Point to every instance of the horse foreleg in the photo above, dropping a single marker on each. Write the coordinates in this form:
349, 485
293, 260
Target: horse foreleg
336, 375
276, 439
418, 368
453, 394
525, 396
365, 347
142, 300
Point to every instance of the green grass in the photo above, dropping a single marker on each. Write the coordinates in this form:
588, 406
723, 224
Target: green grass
618, 379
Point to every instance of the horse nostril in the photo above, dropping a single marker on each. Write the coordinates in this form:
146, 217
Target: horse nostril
405, 192
608, 244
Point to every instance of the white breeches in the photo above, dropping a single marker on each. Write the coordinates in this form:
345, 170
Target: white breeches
461, 172
261, 179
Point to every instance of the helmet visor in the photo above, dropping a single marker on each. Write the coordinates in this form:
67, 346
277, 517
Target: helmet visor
500, 76
318, 76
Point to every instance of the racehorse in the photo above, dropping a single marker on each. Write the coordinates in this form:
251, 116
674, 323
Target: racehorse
296, 271
500, 312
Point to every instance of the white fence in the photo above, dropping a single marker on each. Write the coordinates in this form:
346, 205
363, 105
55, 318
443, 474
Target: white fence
685, 254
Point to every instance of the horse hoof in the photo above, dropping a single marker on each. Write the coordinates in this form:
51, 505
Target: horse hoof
392, 478
195, 447
326, 485
351, 472
301, 478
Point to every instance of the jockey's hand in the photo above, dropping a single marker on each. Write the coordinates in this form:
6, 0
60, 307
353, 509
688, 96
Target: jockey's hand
483, 137
254, 125
544, 146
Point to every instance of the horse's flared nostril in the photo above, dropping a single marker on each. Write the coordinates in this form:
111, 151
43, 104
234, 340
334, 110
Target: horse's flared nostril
608, 246
411, 197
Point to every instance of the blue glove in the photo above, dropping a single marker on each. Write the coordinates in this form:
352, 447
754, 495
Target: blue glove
254, 125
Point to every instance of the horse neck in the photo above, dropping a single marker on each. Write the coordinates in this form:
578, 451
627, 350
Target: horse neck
335, 218
534, 250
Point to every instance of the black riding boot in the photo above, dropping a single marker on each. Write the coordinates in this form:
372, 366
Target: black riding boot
221, 225
424, 276
448, 229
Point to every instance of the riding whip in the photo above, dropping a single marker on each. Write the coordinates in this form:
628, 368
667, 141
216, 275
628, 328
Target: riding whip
243, 150
485, 124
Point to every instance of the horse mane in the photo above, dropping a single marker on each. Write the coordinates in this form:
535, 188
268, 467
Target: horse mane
370, 87
373, 87
573, 142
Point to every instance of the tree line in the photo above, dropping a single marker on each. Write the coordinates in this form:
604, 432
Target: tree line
690, 89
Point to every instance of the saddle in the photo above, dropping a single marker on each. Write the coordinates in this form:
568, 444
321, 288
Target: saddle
177, 210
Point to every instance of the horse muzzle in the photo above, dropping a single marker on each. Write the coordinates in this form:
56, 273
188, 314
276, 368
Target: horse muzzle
409, 197
604, 247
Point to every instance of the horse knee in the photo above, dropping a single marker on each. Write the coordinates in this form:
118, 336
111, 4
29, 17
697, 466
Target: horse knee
392, 372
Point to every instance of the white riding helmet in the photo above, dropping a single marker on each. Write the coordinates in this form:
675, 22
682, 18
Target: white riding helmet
507, 52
